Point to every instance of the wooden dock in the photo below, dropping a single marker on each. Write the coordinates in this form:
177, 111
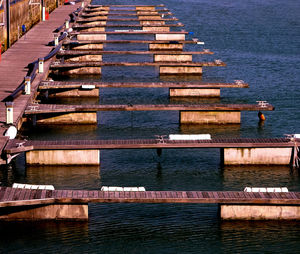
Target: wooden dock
130, 52
45, 85
28, 204
22, 197
34, 109
17, 146
33, 45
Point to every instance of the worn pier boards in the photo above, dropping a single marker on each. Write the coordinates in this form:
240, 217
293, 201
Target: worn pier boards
252, 151
27, 204
188, 113
90, 89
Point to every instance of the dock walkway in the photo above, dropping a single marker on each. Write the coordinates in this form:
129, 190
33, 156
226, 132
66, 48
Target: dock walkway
20, 197
13, 65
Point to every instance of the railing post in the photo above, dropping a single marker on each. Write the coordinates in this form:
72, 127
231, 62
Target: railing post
41, 65
9, 112
27, 85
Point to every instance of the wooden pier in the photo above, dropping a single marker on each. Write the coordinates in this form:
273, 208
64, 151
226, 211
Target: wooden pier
28, 204
82, 54
276, 151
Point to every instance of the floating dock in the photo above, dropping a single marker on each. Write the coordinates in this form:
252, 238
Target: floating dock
28, 204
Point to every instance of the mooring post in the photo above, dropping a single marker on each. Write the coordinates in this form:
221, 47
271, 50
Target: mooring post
9, 112
41, 65
27, 84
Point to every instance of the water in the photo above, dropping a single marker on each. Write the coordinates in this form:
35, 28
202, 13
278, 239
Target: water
259, 41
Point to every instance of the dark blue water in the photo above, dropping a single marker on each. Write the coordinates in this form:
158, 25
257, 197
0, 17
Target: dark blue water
259, 41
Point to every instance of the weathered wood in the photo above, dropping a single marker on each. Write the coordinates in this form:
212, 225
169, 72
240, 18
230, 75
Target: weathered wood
57, 65
12, 146
45, 85
152, 52
58, 108
102, 18
128, 32
82, 42
13, 68
126, 25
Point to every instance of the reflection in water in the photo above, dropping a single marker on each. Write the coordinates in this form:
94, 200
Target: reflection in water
238, 177
216, 131
72, 100
261, 235
38, 236
52, 132
62, 177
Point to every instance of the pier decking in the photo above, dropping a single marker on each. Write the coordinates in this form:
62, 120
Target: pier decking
17, 146
14, 62
27, 204
19, 197
45, 85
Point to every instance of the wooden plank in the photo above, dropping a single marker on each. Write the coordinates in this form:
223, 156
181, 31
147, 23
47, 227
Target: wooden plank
38, 194
58, 193
43, 195
16, 195
32, 194
103, 52
53, 108
64, 194
6, 194
11, 194
27, 194
70, 65
22, 195
67, 84
83, 42
2, 191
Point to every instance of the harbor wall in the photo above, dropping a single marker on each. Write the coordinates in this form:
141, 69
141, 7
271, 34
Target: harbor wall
22, 13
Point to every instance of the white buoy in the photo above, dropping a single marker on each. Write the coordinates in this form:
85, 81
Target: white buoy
11, 132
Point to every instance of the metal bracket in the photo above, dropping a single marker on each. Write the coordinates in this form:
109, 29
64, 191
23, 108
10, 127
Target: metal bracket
160, 138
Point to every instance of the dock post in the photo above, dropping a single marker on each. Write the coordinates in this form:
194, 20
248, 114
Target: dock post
41, 65
9, 112
27, 85
67, 24
55, 39
43, 13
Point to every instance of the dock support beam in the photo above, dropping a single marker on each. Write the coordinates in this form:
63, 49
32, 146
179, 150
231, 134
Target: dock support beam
194, 92
256, 156
98, 46
63, 157
45, 212
180, 70
166, 46
91, 37
259, 212
67, 118
210, 117
88, 93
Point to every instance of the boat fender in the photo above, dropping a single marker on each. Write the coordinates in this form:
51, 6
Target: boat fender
11, 132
